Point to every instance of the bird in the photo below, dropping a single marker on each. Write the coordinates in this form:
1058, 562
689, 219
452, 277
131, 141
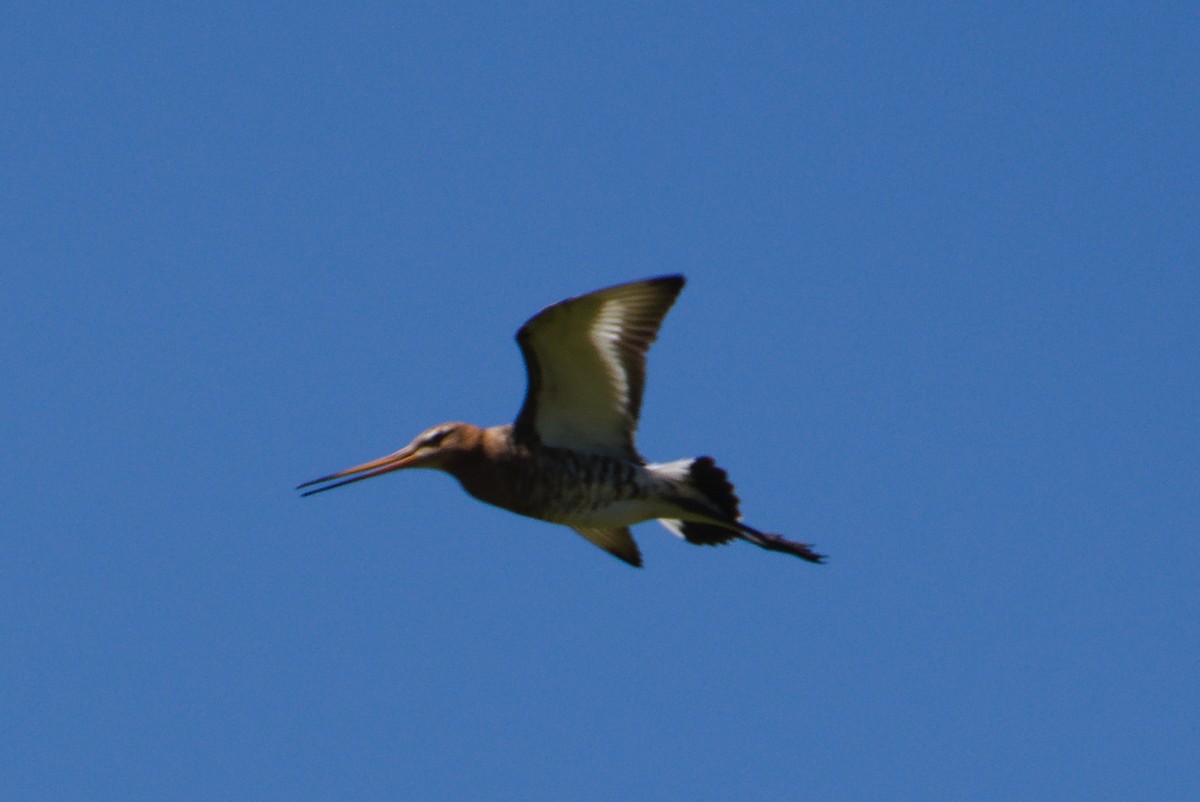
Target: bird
570, 457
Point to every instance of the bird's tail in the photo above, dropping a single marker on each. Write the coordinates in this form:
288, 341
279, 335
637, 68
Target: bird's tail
712, 483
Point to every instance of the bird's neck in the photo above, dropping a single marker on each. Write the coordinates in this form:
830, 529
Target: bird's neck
493, 467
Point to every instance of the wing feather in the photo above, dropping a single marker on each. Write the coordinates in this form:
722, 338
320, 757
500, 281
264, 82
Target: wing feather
616, 541
586, 360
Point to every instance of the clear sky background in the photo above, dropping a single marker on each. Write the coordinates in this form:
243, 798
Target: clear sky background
942, 320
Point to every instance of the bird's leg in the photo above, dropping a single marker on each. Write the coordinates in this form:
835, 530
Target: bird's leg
772, 542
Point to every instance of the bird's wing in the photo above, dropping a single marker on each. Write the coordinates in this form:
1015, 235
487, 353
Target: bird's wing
617, 542
586, 360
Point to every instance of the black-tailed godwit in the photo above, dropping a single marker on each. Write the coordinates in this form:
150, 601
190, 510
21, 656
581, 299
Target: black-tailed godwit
570, 457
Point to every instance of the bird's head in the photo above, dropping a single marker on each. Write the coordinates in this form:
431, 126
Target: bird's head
432, 448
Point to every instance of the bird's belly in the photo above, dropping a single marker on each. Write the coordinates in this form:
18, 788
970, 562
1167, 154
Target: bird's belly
563, 487
624, 512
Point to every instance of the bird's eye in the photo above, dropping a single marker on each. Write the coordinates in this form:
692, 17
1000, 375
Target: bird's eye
435, 438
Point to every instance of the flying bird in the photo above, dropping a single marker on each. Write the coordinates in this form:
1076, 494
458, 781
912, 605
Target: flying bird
569, 458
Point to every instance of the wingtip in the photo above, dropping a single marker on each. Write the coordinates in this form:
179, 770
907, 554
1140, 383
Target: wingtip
673, 282
634, 559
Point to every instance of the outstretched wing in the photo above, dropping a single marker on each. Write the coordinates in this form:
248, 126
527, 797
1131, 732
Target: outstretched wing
617, 541
586, 360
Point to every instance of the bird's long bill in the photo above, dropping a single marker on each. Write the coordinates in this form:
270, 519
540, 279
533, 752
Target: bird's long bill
392, 462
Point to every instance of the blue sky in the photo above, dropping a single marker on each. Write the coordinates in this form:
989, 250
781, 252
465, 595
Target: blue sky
941, 321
